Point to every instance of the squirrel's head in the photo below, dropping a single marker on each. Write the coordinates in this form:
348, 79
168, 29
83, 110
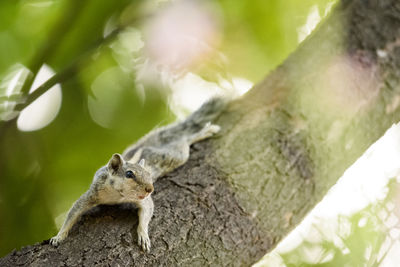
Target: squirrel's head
131, 179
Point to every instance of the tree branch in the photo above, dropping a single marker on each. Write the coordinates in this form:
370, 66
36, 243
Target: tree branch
69, 71
281, 147
57, 33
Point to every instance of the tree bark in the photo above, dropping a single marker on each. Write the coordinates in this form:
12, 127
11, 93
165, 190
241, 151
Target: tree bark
282, 146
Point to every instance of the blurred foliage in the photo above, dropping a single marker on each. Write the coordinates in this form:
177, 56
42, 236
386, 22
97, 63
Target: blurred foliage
259, 34
43, 172
365, 238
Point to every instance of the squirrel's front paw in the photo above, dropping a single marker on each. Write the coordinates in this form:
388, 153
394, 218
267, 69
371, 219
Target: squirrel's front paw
55, 241
144, 240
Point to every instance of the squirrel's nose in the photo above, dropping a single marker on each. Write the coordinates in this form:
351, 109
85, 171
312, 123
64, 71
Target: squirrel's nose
149, 188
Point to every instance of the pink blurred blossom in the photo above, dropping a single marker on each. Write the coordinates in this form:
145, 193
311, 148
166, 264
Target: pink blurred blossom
181, 35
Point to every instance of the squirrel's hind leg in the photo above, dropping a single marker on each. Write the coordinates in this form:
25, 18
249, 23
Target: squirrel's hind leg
207, 131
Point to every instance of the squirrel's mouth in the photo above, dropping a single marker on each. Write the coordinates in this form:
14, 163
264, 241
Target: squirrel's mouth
143, 196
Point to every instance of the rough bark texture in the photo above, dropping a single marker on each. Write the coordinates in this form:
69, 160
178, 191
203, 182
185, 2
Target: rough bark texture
197, 221
281, 148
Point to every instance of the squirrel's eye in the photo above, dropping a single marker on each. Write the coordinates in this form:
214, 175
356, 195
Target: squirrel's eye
129, 174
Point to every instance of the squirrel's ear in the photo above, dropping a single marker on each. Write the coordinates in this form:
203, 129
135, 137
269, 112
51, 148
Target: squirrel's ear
141, 163
115, 163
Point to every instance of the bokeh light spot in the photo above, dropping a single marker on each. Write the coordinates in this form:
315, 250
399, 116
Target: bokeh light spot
44, 109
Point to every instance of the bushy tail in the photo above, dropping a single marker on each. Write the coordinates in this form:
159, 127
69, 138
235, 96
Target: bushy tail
206, 113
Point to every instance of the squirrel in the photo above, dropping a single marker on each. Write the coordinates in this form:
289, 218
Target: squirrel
129, 178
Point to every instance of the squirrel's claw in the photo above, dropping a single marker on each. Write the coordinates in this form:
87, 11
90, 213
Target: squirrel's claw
144, 241
55, 241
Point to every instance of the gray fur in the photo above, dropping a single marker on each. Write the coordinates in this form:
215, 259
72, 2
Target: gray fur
167, 148
154, 155
175, 131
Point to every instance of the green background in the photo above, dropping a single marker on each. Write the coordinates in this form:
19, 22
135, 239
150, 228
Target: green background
44, 171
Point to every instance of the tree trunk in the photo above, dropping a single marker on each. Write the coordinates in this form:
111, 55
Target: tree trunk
282, 146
